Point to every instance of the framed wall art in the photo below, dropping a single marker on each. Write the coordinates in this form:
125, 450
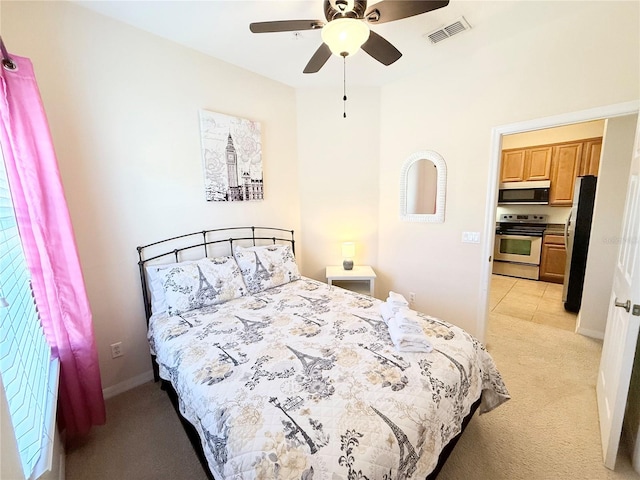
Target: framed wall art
232, 158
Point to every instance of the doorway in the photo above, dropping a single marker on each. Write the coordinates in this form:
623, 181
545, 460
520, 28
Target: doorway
619, 133
526, 159
498, 136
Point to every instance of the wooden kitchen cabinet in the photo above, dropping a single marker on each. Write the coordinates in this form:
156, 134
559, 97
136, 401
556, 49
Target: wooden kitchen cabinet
513, 165
553, 259
560, 163
526, 164
565, 164
539, 167
590, 157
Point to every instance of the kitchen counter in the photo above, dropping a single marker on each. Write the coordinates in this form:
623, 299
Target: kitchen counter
554, 229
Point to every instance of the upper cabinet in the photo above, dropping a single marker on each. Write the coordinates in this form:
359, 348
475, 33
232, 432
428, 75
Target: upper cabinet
525, 164
590, 157
512, 165
564, 168
560, 163
539, 163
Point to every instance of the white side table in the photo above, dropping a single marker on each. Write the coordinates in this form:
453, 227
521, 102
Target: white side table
361, 279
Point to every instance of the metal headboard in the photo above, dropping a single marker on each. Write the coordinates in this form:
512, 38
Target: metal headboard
204, 239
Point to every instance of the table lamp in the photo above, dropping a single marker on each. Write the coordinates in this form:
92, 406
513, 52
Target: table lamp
348, 252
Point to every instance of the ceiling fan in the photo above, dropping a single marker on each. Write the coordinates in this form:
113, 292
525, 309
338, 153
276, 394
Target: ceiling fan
347, 29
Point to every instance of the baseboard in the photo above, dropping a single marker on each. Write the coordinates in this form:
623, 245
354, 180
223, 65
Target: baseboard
62, 471
122, 387
587, 332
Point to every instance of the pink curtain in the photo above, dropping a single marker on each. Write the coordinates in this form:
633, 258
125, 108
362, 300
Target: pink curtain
50, 247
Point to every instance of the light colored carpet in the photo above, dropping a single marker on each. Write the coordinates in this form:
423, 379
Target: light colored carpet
548, 430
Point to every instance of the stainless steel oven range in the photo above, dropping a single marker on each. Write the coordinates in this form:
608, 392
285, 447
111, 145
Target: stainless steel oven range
518, 245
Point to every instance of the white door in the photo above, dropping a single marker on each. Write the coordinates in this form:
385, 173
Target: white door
623, 321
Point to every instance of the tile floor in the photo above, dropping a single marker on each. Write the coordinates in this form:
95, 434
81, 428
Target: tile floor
535, 301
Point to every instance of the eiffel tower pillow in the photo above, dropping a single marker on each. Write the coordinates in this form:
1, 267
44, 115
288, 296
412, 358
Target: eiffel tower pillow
266, 266
199, 284
155, 279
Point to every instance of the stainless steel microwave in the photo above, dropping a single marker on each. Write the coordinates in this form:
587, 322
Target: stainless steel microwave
524, 193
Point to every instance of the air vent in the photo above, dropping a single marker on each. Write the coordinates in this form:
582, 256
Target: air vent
450, 30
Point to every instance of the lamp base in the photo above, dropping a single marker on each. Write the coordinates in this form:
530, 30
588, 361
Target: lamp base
347, 264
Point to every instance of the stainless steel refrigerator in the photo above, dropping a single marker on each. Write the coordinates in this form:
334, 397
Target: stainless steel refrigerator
577, 232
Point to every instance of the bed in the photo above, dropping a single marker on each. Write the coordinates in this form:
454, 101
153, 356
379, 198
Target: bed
279, 376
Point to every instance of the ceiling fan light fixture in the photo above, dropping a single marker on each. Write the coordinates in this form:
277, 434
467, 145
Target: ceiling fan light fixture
345, 35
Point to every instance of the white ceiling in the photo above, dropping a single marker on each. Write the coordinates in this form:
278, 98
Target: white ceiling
220, 28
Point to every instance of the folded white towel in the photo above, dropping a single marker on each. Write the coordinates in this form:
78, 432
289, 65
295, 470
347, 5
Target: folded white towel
388, 311
408, 342
405, 324
397, 299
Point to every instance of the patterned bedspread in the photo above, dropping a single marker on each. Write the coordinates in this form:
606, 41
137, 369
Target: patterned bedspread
302, 381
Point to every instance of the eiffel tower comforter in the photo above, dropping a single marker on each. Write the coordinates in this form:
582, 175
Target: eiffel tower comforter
302, 381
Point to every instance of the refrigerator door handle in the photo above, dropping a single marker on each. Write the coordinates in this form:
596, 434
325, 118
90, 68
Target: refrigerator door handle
566, 228
567, 267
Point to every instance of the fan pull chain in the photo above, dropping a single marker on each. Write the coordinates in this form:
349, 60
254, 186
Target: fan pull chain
344, 85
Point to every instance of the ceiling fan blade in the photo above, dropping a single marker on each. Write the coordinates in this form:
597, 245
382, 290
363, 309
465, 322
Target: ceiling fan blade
285, 26
381, 49
318, 60
390, 10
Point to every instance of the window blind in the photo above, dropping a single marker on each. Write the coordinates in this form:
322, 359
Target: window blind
25, 356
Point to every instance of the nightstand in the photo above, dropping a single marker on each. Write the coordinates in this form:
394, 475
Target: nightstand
361, 279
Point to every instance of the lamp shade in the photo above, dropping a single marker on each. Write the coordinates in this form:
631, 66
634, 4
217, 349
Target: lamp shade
345, 36
348, 250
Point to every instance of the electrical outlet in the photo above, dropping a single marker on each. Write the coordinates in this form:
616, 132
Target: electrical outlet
412, 297
116, 350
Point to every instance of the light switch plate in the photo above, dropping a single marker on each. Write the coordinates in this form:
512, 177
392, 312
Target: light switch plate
470, 237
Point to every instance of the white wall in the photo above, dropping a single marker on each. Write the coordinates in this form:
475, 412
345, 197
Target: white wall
606, 225
123, 110
338, 165
564, 61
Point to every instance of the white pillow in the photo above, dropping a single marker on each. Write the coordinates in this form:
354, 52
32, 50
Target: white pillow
155, 275
266, 266
206, 282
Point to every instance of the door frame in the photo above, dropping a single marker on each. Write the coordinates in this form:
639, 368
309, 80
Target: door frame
598, 113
